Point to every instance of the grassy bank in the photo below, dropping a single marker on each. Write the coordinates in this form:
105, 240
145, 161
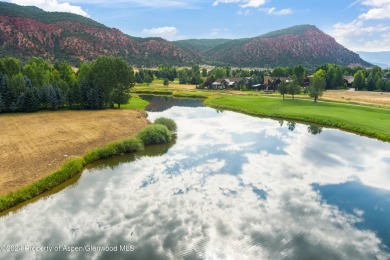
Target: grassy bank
135, 103
362, 119
368, 121
69, 169
152, 134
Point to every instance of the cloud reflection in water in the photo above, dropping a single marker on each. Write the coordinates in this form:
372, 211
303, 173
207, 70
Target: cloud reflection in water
232, 187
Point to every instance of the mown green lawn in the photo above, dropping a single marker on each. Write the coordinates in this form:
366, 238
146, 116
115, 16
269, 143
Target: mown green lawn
365, 120
135, 103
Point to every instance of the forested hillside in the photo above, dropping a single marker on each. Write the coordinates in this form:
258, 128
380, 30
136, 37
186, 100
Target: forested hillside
30, 31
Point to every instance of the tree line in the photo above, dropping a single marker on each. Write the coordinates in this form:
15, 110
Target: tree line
39, 84
370, 79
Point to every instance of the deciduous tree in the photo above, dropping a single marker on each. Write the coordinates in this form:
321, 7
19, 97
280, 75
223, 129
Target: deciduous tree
317, 85
359, 80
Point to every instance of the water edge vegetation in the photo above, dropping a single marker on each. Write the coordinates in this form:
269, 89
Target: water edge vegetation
152, 134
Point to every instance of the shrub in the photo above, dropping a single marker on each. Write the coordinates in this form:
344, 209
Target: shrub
155, 134
169, 123
132, 145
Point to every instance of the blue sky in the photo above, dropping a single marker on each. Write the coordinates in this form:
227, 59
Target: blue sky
362, 25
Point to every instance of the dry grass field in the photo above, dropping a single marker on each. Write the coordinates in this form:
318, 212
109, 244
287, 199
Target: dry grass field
360, 97
34, 145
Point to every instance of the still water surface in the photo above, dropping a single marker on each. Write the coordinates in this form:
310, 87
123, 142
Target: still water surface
230, 186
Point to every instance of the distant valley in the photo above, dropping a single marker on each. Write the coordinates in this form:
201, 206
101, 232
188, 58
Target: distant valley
381, 59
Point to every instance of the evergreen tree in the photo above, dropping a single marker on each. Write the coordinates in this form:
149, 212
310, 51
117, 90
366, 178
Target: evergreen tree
74, 96
2, 105
138, 78
85, 90
387, 86
96, 98
60, 97
30, 101
20, 103
370, 82
52, 98
5, 91
338, 78
330, 78
380, 85
44, 97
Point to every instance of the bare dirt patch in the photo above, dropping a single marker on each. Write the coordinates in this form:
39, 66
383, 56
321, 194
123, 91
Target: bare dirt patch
361, 97
34, 145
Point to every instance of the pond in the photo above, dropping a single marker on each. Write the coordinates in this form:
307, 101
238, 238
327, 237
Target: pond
230, 186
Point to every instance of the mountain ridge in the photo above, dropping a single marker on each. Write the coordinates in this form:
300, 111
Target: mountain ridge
30, 31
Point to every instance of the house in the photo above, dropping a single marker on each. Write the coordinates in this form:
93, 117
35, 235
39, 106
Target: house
230, 83
272, 83
306, 81
348, 81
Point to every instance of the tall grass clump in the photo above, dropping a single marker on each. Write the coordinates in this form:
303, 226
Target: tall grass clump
169, 123
125, 146
155, 134
69, 169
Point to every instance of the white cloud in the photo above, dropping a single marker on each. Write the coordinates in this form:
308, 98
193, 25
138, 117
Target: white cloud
274, 11
166, 32
244, 3
226, 2
52, 6
365, 33
253, 3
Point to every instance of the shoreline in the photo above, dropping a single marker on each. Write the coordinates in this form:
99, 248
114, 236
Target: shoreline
353, 126
363, 124
67, 171
35, 145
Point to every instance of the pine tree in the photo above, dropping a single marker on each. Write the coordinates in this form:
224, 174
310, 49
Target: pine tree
370, 83
21, 103
388, 85
59, 97
52, 98
44, 97
5, 91
2, 105
30, 102
85, 90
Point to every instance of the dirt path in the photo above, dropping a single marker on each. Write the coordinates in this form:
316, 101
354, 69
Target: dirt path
34, 145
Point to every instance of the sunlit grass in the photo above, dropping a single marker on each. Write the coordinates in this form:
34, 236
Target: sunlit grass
369, 121
135, 103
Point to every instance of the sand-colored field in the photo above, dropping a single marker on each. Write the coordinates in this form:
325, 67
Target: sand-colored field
34, 145
361, 97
